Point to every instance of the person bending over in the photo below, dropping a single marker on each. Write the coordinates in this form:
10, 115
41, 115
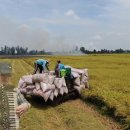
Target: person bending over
41, 65
59, 66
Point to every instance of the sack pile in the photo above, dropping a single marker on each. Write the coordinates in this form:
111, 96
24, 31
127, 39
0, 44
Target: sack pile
44, 85
48, 86
80, 78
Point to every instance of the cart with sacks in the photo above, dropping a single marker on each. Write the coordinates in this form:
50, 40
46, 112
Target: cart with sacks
51, 88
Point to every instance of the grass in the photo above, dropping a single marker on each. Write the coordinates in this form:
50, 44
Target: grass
109, 81
109, 88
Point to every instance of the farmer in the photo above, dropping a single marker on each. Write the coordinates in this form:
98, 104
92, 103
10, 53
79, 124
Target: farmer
59, 66
42, 65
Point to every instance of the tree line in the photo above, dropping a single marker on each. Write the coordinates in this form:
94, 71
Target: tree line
18, 50
103, 51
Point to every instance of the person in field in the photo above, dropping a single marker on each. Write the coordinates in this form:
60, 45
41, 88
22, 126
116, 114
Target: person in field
41, 65
59, 66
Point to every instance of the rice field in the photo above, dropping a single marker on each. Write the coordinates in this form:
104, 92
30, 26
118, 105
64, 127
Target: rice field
109, 88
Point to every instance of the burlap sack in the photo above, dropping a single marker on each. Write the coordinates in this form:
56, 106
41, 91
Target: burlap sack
21, 82
23, 90
51, 96
30, 87
75, 74
56, 92
78, 88
86, 84
51, 72
51, 79
29, 91
24, 85
35, 92
40, 78
27, 79
61, 91
65, 89
64, 83
80, 71
77, 81
84, 80
46, 87
37, 85
46, 95
59, 82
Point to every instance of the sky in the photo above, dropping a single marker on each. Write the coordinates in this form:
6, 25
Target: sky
60, 25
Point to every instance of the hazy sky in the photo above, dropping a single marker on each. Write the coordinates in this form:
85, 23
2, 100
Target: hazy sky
61, 24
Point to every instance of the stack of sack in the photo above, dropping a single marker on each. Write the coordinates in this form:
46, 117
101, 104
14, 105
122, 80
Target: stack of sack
48, 86
44, 85
80, 78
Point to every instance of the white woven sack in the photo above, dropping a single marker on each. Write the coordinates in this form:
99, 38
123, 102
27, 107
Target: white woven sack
37, 85
27, 79
51, 79
65, 90
21, 82
46, 87
61, 91
40, 78
23, 90
24, 85
58, 82
56, 92
80, 71
51, 96
64, 83
51, 72
35, 92
77, 81
84, 78
78, 88
30, 87
75, 74
46, 95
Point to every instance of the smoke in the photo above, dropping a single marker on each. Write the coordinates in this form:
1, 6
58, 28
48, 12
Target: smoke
13, 34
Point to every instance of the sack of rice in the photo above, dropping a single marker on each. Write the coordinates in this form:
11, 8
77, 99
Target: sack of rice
40, 78
80, 71
21, 82
51, 96
24, 85
37, 85
39, 92
65, 89
23, 90
84, 78
78, 88
86, 84
46, 87
75, 74
29, 91
51, 72
64, 83
30, 87
35, 92
56, 92
77, 81
27, 79
58, 82
51, 79
61, 91
46, 95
